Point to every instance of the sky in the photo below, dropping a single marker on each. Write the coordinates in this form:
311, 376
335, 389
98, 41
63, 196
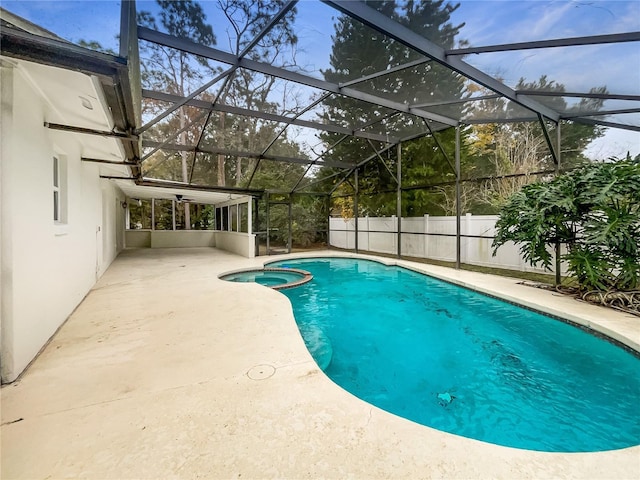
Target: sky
487, 22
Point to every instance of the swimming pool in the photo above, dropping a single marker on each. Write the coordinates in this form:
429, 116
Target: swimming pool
465, 363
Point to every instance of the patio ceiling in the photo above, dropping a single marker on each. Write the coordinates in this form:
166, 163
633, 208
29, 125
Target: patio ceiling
168, 191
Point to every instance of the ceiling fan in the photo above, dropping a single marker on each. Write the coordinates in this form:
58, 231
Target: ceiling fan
180, 199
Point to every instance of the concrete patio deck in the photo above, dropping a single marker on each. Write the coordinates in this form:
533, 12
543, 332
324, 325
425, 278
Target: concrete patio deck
165, 371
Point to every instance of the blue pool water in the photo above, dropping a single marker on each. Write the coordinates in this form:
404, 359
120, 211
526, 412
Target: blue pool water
465, 363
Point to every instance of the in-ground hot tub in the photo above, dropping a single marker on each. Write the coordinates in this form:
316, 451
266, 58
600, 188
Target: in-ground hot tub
276, 278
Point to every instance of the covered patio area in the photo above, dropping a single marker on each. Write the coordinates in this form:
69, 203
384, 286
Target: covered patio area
165, 371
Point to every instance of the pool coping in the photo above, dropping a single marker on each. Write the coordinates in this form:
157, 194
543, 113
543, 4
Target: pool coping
306, 276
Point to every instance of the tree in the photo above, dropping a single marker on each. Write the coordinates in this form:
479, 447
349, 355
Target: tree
247, 89
175, 71
594, 211
504, 149
97, 46
358, 51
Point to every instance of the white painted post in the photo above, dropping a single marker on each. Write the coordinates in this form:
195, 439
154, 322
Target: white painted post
153, 214
368, 234
426, 234
467, 250
394, 243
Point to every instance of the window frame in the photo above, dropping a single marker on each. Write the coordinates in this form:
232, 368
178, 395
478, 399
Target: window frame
56, 189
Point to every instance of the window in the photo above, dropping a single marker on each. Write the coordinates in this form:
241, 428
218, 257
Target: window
244, 217
225, 218
56, 190
180, 214
139, 214
202, 216
59, 190
233, 210
163, 212
218, 218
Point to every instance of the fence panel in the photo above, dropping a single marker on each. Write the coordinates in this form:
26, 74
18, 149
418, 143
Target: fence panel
433, 238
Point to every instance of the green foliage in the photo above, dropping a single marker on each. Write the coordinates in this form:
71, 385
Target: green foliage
97, 46
575, 137
594, 211
140, 214
171, 70
503, 149
359, 50
178, 73
308, 220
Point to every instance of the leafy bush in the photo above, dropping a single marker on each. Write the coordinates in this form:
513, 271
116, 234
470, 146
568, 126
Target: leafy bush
593, 210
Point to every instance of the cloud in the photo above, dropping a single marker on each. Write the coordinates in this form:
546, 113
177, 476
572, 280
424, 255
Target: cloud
547, 19
497, 22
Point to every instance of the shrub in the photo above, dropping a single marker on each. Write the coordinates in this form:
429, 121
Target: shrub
594, 210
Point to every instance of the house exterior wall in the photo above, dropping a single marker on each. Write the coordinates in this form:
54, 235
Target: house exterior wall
47, 267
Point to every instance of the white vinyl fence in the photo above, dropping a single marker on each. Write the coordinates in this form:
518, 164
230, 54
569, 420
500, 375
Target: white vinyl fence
430, 237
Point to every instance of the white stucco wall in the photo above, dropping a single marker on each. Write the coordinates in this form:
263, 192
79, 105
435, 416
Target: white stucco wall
236, 242
241, 243
47, 268
137, 239
183, 238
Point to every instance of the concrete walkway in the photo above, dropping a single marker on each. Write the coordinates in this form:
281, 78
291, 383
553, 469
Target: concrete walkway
165, 371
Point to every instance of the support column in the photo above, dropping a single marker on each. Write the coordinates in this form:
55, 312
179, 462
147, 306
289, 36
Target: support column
458, 212
127, 215
355, 207
368, 230
173, 215
558, 263
267, 219
426, 235
328, 220
547, 138
290, 237
253, 222
399, 198
153, 214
